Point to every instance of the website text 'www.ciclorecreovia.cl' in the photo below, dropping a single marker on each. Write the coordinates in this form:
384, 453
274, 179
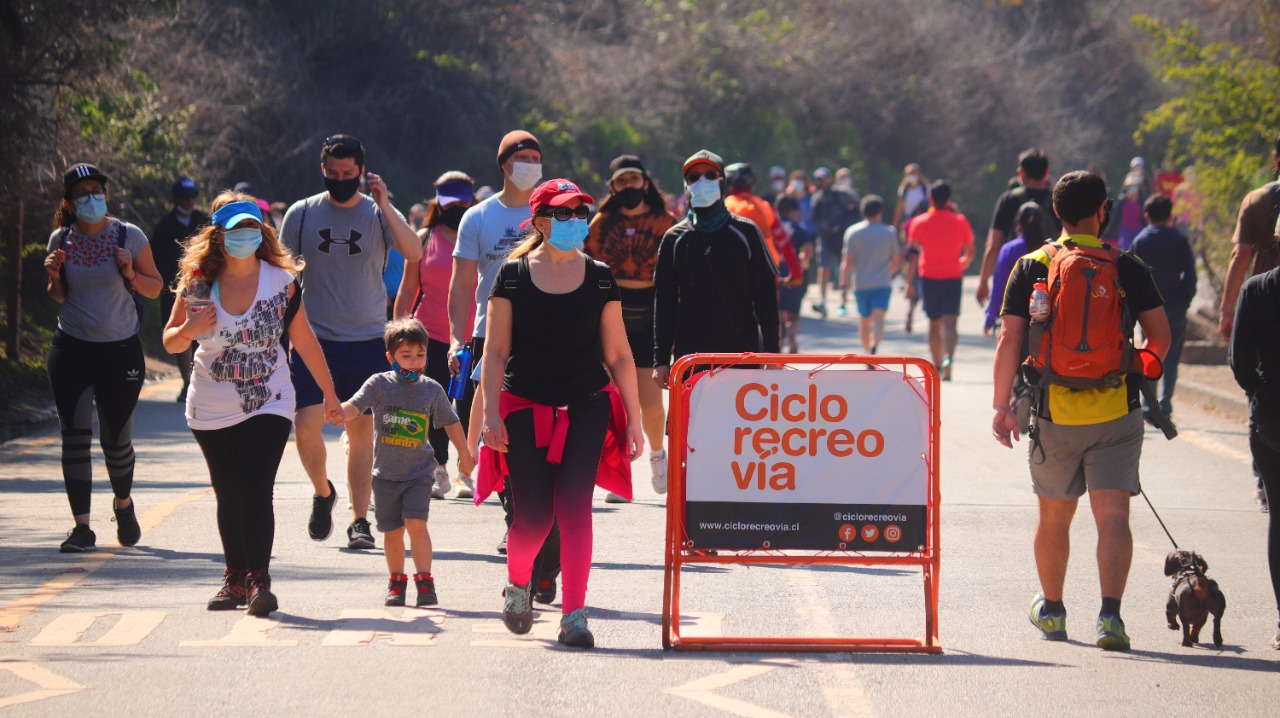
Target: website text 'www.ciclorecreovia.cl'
741, 526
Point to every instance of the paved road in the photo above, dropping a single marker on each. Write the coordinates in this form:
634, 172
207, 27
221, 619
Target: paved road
125, 631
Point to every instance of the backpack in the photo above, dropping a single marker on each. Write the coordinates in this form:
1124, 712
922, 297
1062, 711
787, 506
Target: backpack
1087, 341
121, 237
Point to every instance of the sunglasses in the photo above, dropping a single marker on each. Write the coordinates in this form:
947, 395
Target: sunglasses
564, 214
95, 193
692, 177
349, 142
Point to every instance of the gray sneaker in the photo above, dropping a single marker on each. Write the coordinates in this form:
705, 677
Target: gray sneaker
574, 632
517, 610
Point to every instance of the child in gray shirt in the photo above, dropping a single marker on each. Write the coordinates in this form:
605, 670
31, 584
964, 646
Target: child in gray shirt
405, 405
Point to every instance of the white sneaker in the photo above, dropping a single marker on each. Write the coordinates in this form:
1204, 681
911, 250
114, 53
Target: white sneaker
658, 463
466, 489
613, 498
441, 484
345, 443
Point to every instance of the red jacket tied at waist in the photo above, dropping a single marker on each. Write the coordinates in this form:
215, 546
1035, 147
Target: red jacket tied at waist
550, 429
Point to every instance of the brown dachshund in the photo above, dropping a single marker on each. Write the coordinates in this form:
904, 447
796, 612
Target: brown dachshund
1193, 597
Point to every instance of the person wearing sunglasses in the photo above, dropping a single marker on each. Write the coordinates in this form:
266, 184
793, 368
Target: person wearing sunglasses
98, 266
555, 338
424, 294
715, 282
240, 406
344, 236
625, 234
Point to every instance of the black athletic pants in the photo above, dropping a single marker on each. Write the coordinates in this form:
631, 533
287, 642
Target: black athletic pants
243, 460
108, 374
1264, 442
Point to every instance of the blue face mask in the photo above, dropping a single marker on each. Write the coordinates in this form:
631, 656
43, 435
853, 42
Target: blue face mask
568, 235
91, 208
242, 243
404, 374
704, 193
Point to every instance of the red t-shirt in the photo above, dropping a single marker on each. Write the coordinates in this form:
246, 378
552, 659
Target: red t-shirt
941, 235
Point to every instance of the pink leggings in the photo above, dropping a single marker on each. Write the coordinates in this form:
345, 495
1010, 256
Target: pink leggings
542, 492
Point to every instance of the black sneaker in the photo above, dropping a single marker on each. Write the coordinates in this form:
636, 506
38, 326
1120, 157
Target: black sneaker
233, 593
359, 535
321, 523
397, 585
261, 600
426, 589
546, 591
574, 632
80, 539
502, 545
127, 529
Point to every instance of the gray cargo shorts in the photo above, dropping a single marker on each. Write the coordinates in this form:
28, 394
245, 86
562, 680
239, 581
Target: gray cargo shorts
1081, 458
395, 501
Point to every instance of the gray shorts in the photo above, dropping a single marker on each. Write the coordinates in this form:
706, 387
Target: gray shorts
395, 501
1080, 458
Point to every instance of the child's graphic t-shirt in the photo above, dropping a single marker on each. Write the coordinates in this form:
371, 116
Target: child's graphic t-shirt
403, 412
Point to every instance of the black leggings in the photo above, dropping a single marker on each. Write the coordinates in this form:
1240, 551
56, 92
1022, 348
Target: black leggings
243, 460
1264, 441
438, 370
108, 374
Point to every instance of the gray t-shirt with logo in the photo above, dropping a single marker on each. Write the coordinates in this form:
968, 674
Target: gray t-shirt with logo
345, 249
488, 233
402, 415
98, 307
871, 245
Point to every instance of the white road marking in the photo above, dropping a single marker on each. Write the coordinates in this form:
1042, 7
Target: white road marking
50, 684
248, 632
362, 626
701, 690
839, 681
66, 630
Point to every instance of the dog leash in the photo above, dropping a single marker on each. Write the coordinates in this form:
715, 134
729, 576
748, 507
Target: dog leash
1158, 519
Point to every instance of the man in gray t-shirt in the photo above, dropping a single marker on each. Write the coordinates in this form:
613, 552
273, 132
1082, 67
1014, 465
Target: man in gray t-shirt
343, 236
872, 256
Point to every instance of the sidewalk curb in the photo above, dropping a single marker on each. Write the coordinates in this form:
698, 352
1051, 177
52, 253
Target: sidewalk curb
1214, 401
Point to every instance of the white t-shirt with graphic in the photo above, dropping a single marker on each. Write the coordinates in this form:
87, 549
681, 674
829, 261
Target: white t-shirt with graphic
488, 233
240, 368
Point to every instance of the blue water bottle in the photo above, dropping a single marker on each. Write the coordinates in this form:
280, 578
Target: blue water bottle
458, 382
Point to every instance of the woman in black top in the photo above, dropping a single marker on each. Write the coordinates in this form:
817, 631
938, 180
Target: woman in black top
555, 336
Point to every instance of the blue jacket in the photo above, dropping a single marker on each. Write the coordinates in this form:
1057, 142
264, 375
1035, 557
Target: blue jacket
1168, 253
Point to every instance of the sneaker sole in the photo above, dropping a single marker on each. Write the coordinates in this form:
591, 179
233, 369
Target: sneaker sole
1112, 643
588, 641
430, 601
65, 548
465, 494
394, 601
262, 606
362, 544
224, 606
518, 623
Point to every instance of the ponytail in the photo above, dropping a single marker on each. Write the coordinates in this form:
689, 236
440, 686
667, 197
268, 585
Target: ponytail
1031, 223
532, 239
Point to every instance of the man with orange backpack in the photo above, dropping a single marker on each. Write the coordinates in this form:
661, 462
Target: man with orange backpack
1077, 300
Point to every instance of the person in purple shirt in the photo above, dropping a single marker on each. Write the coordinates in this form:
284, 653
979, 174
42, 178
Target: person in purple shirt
1168, 253
1029, 225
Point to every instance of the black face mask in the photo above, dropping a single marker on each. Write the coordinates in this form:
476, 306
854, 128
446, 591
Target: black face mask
451, 216
342, 190
631, 197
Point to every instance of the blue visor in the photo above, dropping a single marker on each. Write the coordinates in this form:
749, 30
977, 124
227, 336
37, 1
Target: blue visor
454, 191
229, 215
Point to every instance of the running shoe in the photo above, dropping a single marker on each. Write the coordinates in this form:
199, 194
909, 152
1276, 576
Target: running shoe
612, 498
546, 593
397, 586
819, 308
1260, 495
502, 545
517, 609
261, 600
80, 539
658, 464
320, 525
359, 535
946, 369
1275, 642
1111, 635
1052, 625
233, 593
127, 529
574, 632
440, 482
842, 310
466, 489
426, 589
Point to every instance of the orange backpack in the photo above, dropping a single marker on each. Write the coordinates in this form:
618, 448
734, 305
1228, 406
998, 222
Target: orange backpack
1087, 341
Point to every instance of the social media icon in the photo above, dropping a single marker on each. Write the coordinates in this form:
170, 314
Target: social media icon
848, 533
870, 533
892, 533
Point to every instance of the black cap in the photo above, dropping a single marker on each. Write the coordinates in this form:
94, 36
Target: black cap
185, 187
244, 187
79, 173
623, 164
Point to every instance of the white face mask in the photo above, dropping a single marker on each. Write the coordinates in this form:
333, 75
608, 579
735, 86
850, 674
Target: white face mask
524, 175
704, 193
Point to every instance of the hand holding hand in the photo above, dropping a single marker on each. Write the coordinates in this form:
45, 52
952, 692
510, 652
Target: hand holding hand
333, 409
466, 464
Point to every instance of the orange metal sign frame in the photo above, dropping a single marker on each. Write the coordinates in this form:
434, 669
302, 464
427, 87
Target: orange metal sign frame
680, 551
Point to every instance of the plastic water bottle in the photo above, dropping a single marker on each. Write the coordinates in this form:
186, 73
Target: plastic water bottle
458, 382
197, 293
1039, 308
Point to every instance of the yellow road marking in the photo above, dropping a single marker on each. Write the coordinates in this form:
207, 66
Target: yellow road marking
1216, 447
51, 684
11, 615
